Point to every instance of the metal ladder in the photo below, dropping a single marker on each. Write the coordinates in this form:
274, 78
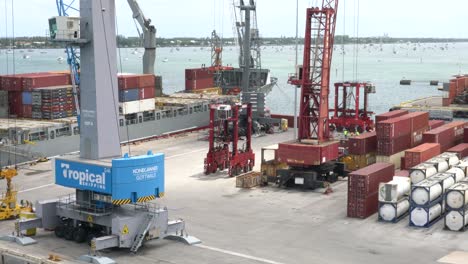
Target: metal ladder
144, 228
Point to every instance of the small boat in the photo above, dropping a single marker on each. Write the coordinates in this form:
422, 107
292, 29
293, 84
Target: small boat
60, 60
26, 57
165, 60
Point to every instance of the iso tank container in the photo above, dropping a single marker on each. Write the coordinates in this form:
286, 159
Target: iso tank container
389, 115
395, 189
425, 216
441, 164
456, 197
421, 172
456, 220
461, 150
457, 172
363, 144
393, 211
421, 153
425, 192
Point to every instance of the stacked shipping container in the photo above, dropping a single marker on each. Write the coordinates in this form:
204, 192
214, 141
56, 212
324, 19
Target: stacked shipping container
447, 135
137, 92
196, 79
363, 187
421, 153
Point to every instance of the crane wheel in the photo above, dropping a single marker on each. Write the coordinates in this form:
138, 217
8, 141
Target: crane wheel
69, 230
59, 231
80, 235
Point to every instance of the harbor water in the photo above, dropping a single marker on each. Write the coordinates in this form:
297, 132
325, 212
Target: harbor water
384, 65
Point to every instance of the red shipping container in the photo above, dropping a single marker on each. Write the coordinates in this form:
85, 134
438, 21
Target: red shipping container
11, 83
447, 135
421, 153
199, 73
435, 124
46, 80
394, 128
402, 163
389, 115
14, 102
363, 208
128, 81
458, 129
392, 146
366, 181
146, 80
460, 149
363, 144
402, 173
301, 154
419, 120
147, 92
465, 135
417, 136
26, 111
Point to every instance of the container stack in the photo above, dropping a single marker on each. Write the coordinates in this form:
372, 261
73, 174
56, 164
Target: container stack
53, 102
394, 199
363, 188
447, 135
395, 135
456, 202
389, 115
197, 79
461, 150
433, 124
136, 93
21, 86
362, 151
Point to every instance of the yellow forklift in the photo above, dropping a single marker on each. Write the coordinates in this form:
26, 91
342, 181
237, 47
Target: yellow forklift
9, 208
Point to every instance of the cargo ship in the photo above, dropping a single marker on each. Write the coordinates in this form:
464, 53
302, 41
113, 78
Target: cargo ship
38, 115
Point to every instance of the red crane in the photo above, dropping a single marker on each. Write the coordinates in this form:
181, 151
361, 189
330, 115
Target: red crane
311, 159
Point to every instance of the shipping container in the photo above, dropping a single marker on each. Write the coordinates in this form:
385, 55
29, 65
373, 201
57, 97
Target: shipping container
46, 80
355, 162
419, 120
366, 181
447, 135
129, 95
26, 98
129, 81
388, 147
146, 80
394, 128
363, 207
137, 106
460, 149
395, 159
301, 154
417, 136
421, 153
465, 135
389, 115
362, 144
147, 92
433, 124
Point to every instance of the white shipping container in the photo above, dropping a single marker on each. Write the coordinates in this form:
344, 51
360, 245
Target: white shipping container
457, 196
421, 172
458, 172
395, 189
441, 164
133, 107
451, 158
426, 191
456, 220
446, 179
423, 216
389, 212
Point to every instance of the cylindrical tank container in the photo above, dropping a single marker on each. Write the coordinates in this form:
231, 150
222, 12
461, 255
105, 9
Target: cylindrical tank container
390, 212
446, 179
422, 217
463, 166
457, 196
441, 164
458, 173
456, 220
421, 172
426, 191
395, 189
451, 158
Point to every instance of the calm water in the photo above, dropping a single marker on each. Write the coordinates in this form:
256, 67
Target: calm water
378, 64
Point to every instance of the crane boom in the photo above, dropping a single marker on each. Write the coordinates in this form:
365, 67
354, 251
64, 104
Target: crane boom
149, 37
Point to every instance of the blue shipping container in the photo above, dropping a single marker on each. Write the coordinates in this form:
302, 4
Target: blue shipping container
27, 98
129, 95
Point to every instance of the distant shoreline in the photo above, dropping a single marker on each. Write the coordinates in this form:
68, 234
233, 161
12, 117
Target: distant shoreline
135, 42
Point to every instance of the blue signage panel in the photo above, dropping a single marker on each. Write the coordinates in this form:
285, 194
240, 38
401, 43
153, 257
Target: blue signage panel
138, 176
83, 176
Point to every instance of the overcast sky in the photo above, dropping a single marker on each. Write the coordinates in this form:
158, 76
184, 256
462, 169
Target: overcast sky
197, 18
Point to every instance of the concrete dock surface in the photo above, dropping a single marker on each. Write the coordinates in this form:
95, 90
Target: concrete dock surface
261, 225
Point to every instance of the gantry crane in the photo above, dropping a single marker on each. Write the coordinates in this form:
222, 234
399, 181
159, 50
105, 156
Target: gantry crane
311, 159
149, 37
216, 58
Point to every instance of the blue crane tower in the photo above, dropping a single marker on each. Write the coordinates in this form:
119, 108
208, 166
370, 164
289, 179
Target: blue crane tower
110, 205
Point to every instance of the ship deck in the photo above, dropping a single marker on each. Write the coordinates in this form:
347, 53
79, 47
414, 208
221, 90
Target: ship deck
9, 123
262, 225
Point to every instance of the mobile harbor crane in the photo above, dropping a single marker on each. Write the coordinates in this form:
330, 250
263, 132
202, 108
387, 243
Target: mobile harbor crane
110, 207
312, 158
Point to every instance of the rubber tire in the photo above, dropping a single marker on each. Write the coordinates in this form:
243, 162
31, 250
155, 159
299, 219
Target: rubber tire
59, 231
80, 235
68, 232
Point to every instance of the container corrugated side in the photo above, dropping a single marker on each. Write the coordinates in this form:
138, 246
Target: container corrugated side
394, 128
433, 124
460, 149
421, 153
389, 115
362, 144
